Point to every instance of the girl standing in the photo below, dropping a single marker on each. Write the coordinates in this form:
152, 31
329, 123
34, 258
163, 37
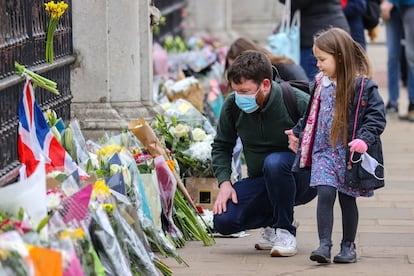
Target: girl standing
339, 132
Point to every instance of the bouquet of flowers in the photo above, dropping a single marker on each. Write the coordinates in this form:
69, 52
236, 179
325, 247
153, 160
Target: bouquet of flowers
171, 189
189, 135
14, 256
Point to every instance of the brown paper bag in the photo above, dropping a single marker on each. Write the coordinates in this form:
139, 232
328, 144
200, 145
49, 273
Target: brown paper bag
194, 94
146, 135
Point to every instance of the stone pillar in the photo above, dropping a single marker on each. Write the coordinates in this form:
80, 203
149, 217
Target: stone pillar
111, 79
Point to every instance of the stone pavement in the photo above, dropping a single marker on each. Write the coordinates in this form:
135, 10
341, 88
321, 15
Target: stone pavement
385, 239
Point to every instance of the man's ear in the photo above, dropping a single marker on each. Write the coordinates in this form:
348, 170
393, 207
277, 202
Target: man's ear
267, 84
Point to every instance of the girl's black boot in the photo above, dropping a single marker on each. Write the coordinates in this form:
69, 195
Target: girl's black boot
347, 254
322, 254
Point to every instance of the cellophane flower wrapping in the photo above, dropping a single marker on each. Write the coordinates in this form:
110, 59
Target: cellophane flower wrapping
152, 192
82, 152
76, 206
14, 256
28, 194
107, 245
167, 185
71, 263
78, 233
133, 180
135, 248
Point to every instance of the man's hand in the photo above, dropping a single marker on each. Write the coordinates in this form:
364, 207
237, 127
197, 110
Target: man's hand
292, 140
226, 192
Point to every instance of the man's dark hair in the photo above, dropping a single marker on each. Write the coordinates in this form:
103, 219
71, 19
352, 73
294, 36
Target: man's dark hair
250, 65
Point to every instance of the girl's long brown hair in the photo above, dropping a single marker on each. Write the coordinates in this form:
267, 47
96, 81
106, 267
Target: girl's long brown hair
351, 61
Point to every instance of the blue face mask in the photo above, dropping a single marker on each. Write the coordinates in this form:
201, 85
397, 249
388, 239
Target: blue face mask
247, 103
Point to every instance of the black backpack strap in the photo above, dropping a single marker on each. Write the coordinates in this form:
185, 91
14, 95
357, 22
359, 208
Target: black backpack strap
289, 98
235, 110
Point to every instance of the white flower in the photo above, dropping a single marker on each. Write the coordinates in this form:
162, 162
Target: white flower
53, 199
183, 84
207, 217
198, 134
180, 130
201, 150
114, 169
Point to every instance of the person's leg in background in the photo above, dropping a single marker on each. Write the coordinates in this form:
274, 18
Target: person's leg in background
410, 89
308, 63
408, 23
394, 31
403, 66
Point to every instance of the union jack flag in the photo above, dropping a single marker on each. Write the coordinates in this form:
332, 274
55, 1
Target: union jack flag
36, 141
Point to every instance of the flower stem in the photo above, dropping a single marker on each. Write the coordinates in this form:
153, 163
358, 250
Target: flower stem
51, 28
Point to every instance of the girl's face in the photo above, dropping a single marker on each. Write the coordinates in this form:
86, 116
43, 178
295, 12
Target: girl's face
325, 62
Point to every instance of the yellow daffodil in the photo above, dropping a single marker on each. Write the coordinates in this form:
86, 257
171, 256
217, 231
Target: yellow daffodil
100, 189
55, 11
73, 234
4, 254
109, 208
109, 150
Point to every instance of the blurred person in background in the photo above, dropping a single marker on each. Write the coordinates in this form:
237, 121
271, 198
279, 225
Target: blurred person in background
399, 15
316, 16
354, 11
286, 68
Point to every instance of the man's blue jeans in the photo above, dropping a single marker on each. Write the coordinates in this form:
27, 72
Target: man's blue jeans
268, 200
394, 33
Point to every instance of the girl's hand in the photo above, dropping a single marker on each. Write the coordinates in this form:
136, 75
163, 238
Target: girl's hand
292, 140
358, 145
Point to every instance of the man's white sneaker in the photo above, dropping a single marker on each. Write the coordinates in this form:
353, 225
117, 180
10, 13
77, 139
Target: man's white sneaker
267, 236
284, 244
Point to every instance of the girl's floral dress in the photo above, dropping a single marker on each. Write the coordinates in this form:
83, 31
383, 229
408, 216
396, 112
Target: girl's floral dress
328, 164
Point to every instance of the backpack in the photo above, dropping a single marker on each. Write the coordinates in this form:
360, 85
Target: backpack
372, 14
288, 94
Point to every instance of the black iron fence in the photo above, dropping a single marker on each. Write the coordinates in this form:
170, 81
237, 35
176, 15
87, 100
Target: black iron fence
23, 28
